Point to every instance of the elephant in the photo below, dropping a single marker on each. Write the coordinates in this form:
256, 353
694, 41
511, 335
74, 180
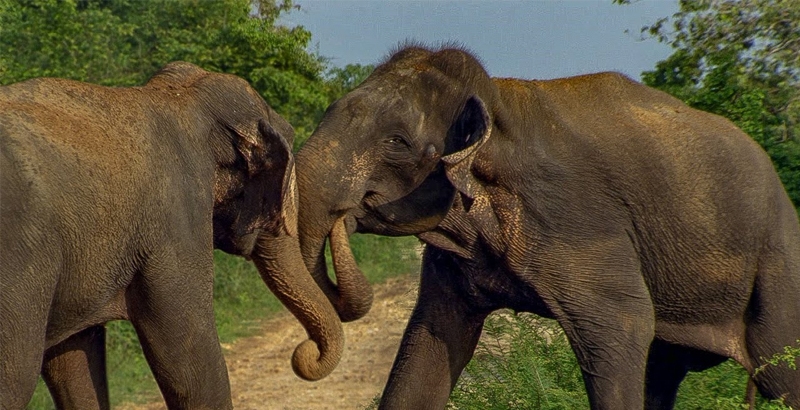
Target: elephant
658, 236
113, 200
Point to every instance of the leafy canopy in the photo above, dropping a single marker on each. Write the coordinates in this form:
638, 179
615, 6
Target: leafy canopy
739, 59
124, 42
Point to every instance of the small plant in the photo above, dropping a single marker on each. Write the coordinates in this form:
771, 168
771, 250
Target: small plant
789, 357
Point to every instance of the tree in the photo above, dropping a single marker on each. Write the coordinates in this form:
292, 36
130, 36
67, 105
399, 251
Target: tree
342, 80
124, 42
739, 59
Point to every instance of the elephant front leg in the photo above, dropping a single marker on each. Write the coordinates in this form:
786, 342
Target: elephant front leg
75, 371
174, 319
438, 342
611, 345
610, 327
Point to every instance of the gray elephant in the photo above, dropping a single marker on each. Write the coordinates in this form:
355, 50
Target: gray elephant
112, 202
658, 236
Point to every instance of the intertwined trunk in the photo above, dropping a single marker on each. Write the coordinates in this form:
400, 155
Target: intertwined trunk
281, 267
323, 204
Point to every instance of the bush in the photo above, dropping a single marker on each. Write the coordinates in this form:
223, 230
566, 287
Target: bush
522, 362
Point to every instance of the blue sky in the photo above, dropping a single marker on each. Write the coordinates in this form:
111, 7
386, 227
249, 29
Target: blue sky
525, 39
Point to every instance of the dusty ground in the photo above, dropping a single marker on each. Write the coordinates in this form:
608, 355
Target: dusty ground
262, 378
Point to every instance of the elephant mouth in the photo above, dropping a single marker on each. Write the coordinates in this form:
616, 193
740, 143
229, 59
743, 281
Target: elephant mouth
369, 216
245, 244
379, 218
417, 211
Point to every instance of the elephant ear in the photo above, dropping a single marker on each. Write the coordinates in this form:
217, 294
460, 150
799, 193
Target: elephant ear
252, 144
270, 152
281, 162
470, 130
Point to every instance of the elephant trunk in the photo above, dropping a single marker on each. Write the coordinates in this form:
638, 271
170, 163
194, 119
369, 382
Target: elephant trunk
321, 217
281, 267
355, 293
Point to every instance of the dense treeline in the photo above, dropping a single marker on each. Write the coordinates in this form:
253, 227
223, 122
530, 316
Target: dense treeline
123, 42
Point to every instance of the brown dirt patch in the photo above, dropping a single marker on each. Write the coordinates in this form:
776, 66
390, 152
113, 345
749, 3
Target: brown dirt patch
262, 378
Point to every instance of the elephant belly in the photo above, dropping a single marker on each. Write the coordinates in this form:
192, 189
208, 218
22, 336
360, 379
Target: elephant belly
727, 339
70, 317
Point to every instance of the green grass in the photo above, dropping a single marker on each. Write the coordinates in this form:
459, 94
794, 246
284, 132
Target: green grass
241, 303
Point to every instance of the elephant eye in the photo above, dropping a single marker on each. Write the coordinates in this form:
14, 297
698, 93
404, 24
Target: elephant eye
397, 141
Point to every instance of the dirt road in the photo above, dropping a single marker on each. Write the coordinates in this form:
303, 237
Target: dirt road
262, 378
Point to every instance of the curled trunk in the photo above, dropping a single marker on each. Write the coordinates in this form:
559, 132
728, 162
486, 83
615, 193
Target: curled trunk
351, 295
349, 279
281, 267
323, 206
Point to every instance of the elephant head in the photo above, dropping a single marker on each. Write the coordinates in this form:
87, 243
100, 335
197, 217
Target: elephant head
255, 203
387, 159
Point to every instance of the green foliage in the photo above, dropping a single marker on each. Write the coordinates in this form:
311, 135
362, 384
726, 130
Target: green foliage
722, 387
124, 42
739, 59
41, 399
523, 362
129, 377
788, 357
241, 299
342, 80
526, 362
381, 257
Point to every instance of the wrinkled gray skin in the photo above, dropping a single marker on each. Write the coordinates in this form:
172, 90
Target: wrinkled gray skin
112, 202
658, 236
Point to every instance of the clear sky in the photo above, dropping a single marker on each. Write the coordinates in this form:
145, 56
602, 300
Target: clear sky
533, 39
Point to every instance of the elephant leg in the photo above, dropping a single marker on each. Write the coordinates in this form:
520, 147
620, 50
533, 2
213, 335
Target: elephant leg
773, 323
23, 310
171, 310
75, 371
21, 349
665, 371
612, 360
667, 366
599, 297
438, 342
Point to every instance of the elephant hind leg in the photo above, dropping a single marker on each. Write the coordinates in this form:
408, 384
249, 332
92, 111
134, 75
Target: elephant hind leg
774, 381
75, 371
667, 366
777, 381
773, 324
